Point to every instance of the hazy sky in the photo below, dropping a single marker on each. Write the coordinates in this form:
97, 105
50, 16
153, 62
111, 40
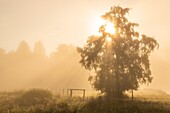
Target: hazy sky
72, 21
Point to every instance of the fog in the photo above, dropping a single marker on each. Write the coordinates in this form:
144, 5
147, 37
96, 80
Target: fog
160, 70
70, 21
26, 68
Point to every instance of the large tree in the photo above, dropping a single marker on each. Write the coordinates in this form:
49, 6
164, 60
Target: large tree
120, 60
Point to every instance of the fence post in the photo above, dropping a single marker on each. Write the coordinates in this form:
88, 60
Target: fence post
132, 95
84, 93
71, 91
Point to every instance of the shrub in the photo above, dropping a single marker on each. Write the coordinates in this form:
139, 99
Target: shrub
34, 97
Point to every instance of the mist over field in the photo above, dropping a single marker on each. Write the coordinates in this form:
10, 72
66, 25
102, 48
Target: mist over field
26, 68
84, 56
57, 22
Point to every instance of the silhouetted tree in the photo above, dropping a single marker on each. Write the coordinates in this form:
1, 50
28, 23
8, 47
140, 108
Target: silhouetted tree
39, 49
120, 60
23, 50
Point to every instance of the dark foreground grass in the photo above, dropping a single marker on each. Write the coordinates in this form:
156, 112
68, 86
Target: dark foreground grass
42, 101
100, 105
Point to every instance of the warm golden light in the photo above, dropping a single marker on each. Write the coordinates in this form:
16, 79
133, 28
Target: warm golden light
109, 39
109, 28
98, 22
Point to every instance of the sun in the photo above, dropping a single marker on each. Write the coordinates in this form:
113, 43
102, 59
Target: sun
98, 22
109, 28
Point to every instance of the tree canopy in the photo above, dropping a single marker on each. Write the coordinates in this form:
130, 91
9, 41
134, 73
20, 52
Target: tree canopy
120, 60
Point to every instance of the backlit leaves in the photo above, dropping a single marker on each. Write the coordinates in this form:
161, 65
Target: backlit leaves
121, 64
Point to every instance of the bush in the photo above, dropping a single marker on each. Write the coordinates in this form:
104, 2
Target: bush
34, 97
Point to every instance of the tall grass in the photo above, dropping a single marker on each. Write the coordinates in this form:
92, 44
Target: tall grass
43, 101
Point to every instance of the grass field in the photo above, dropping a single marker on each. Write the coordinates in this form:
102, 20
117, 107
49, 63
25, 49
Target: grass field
44, 101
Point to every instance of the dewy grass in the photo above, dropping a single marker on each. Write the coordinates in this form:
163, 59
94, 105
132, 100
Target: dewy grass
43, 101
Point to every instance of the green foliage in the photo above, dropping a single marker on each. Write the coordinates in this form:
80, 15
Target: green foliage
121, 64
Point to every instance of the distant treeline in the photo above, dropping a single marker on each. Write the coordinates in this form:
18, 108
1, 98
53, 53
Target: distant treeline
24, 68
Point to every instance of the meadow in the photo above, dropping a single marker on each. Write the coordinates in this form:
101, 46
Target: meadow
46, 101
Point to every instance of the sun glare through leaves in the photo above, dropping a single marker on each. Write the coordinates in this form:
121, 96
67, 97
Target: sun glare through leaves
98, 22
109, 28
109, 39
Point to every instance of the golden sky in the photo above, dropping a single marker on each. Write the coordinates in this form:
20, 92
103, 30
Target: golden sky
72, 21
